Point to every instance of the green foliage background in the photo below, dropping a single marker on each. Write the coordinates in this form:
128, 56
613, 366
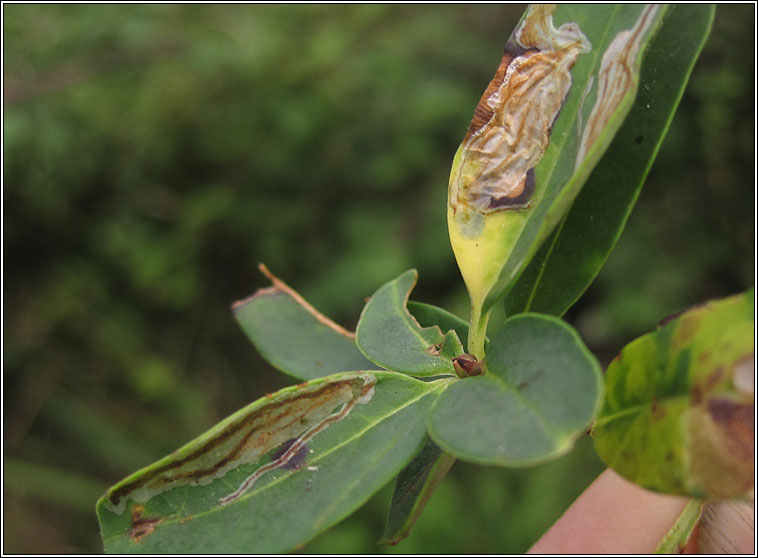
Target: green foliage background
154, 154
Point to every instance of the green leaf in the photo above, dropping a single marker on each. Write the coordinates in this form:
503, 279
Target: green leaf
276, 473
571, 257
428, 315
414, 486
541, 389
392, 338
539, 129
585, 127
678, 414
294, 337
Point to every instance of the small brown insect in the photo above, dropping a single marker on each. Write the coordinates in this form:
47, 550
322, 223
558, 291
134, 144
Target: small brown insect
467, 365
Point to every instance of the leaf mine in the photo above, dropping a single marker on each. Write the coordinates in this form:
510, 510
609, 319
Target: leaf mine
512, 122
295, 448
247, 436
618, 74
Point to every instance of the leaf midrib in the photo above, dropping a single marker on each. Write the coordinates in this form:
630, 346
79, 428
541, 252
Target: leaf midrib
638, 408
529, 405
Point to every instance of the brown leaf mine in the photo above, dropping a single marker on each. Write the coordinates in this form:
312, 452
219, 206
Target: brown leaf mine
285, 422
511, 126
618, 75
293, 454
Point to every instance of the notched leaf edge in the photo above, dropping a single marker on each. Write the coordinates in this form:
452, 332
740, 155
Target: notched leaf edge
446, 339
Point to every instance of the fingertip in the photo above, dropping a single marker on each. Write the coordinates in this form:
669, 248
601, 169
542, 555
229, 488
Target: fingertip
612, 516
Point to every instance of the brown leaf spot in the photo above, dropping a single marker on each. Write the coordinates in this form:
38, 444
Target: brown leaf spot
720, 449
675, 315
737, 423
142, 526
685, 331
526, 383
713, 378
657, 411
434, 350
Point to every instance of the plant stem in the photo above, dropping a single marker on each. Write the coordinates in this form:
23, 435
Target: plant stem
477, 332
676, 539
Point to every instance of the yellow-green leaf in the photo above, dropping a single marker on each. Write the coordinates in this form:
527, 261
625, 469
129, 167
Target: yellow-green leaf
679, 411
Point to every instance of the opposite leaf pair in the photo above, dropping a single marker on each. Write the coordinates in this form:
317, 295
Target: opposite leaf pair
294, 463
541, 385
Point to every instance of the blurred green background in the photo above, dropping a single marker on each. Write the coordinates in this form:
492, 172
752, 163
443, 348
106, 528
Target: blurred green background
154, 154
